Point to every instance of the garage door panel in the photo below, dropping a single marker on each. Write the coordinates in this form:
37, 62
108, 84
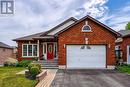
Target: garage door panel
94, 57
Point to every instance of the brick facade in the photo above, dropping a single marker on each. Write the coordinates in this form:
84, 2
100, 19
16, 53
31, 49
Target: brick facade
27, 42
123, 47
99, 35
5, 53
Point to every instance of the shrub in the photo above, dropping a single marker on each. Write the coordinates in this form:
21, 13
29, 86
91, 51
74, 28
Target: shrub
10, 62
34, 65
39, 66
128, 65
6, 63
24, 63
34, 71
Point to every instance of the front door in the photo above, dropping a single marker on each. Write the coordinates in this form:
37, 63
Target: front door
128, 54
50, 54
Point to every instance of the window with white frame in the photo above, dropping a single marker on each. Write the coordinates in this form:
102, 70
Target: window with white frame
30, 50
86, 28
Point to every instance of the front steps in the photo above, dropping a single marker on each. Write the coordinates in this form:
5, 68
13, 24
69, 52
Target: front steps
49, 64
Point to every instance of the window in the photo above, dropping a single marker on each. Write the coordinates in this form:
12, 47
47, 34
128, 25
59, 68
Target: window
24, 50
117, 47
29, 50
34, 50
44, 48
86, 28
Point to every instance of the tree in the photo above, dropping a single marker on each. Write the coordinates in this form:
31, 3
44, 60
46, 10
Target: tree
127, 27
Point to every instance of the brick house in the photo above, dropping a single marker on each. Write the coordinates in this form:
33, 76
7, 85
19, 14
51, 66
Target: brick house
6, 52
84, 43
123, 44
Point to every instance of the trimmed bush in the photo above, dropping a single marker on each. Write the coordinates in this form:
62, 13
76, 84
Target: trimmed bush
34, 65
23, 63
34, 71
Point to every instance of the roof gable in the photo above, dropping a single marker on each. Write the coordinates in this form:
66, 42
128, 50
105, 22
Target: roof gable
96, 21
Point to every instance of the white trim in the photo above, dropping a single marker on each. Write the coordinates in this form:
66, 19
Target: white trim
55, 46
45, 55
32, 51
86, 22
111, 67
119, 40
38, 49
128, 53
86, 30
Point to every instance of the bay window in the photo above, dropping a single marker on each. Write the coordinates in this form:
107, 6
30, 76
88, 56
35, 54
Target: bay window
30, 50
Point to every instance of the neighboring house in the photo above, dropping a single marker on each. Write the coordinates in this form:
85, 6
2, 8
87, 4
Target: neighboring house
6, 52
84, 43
15, 52
123, 44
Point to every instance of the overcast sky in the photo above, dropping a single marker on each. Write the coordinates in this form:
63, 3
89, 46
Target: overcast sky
33, 16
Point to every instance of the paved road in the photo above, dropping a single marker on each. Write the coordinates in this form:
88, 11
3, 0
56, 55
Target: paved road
90, 78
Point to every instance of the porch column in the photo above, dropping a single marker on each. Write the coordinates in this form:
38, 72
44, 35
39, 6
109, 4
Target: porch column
38, 49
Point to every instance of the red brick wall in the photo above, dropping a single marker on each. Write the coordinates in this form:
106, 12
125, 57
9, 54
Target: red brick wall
99, 35
20, 50
123, 46
5, 54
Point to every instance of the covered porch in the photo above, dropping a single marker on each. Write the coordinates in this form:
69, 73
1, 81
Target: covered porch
47, 48
47, 51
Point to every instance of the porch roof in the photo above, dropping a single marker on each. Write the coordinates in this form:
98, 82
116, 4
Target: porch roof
29, 37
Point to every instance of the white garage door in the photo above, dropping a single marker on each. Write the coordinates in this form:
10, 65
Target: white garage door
83, 56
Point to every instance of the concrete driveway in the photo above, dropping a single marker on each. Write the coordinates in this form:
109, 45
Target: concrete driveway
90, 78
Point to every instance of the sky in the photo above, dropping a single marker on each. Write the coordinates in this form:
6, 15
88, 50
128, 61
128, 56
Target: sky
34, 16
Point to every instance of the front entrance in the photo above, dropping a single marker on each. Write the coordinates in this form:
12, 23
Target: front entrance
50, 51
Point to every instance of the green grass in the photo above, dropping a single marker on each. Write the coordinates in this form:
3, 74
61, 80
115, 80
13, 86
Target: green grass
124, 68
8, 78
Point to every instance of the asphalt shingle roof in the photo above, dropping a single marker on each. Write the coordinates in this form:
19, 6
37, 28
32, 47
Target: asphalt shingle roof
3, 45
124, 32
30, 37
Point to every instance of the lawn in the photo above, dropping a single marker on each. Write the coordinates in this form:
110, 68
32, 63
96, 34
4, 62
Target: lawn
124, 68
8, 78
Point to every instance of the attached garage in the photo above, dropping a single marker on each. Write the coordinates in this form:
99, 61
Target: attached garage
86, 56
